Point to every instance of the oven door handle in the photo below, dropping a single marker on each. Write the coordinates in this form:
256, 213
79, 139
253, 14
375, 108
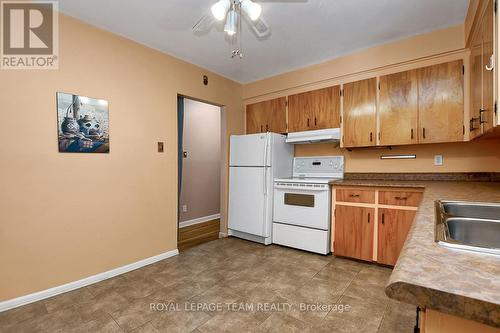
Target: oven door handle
295, 189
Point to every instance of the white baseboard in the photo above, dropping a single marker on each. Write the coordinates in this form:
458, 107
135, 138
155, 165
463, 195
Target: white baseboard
38, 296
199, 220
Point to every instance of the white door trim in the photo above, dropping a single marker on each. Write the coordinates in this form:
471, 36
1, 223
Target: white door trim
199, 220
30, 298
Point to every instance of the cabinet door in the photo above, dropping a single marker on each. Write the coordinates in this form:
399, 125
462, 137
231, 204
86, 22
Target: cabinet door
354, 232
393, 227
267, 116
360, 113
313, 110
487, 111
398, 108
441, 102
326, 106
476, 84
300, 112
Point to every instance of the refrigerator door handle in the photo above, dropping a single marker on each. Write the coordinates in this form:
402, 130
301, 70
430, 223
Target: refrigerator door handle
265, 164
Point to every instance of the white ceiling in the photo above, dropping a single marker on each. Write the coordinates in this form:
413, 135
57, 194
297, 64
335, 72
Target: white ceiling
303, 32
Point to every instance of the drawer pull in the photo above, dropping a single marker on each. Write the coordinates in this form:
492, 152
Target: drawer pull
354, 195
368, 217
401, 198
383, 218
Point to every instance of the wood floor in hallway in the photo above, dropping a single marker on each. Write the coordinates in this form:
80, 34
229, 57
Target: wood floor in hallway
198, 234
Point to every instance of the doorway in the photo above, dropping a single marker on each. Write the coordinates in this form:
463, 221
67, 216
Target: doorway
200, 162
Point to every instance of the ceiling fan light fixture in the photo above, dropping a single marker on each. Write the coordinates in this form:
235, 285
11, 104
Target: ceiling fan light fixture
231, 23
220, 8
252, 9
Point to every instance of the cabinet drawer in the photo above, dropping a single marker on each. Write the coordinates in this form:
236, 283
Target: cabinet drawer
355, 195
400, 198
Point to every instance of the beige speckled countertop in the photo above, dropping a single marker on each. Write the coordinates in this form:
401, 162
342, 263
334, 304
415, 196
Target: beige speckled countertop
457, 282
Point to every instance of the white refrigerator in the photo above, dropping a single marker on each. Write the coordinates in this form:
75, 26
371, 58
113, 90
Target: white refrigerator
255, 160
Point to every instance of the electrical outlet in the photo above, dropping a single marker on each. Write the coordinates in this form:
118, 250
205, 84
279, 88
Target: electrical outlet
184, 208
438, 159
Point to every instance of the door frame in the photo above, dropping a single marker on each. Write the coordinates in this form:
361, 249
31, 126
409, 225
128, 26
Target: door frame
224, 170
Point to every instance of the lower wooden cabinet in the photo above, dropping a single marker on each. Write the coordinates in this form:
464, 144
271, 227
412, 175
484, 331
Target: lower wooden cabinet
354, 232
372, 229
393, 227
433, 321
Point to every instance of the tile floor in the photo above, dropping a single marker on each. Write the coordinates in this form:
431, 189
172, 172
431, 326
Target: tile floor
238, 286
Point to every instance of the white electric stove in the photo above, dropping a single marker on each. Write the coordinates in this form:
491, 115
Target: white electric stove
301, 217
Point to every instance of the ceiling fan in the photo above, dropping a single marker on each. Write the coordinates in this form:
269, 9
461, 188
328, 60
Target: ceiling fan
231, 11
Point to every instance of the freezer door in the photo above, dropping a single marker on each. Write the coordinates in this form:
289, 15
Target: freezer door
250, 150
248, 200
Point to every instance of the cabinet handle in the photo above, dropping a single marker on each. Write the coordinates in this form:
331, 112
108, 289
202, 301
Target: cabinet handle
401, 198
315, 121
423, 132
489, 67
307, 122
267, 128
354, 195
368, 217
481, 112
371, 136
412, 133
472, 127
383, 218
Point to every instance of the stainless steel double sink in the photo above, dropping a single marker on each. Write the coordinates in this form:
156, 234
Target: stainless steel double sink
471, 226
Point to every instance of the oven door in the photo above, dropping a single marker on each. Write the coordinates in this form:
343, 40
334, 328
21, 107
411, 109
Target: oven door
306, 205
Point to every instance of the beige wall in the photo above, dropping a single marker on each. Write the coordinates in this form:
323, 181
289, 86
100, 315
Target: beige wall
438, 46
201, 169
358, 64
475, 156
64, 217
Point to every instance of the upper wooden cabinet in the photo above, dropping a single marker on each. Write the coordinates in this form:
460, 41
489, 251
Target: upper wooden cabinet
398, 108
360, 113
267, 116
476, 81
423, 105
482, 114
487, 112
441, 102
313, 110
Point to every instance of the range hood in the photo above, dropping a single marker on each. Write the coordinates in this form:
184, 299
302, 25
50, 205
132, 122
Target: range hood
324, 135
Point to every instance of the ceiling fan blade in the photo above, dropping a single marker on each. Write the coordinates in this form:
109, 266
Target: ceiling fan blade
260, 27
282, 1
204, 24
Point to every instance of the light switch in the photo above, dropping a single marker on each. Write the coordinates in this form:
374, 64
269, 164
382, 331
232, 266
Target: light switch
160, 147
438, 159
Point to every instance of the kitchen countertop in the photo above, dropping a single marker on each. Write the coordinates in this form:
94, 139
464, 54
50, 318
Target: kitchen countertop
456, 282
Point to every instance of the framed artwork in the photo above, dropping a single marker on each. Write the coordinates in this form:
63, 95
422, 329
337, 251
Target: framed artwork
83, 124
